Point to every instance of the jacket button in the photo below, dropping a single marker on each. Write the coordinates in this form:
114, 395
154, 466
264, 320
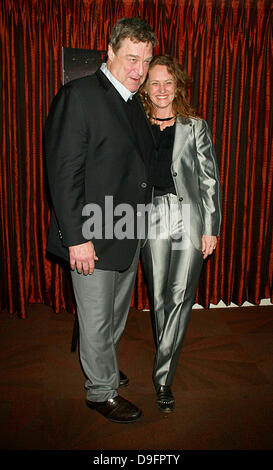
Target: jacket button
144, 185
181, 199
174, 174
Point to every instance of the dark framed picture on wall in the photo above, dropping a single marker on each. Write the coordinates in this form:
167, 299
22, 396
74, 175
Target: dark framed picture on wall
80, 62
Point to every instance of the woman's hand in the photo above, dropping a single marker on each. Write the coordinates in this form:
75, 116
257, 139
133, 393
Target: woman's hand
209, 243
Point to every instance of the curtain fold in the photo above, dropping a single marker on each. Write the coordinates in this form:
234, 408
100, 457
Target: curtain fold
226, 47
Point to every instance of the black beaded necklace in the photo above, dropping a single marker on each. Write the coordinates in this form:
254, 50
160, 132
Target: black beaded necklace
166, 119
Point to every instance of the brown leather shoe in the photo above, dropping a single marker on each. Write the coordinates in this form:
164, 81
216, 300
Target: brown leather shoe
165, 398
117, 409
123, 380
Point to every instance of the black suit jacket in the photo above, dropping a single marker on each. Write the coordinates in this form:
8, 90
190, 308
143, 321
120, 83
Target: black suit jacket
92, 151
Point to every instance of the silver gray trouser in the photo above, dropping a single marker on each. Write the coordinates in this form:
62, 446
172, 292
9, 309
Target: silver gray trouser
172, 266
103, 301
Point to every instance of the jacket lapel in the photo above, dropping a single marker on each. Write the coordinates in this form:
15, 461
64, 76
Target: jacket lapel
148, 125
115, 101
182, 130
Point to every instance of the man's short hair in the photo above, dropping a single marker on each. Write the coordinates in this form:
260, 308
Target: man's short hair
135, 29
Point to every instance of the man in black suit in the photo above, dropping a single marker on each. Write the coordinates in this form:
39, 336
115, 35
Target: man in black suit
99, 153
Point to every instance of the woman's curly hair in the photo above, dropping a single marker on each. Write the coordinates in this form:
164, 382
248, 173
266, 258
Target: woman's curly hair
181, 106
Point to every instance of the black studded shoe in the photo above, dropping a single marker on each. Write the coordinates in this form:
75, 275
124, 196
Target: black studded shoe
123, 380
165, 398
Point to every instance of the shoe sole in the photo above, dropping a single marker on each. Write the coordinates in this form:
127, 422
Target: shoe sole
125, 422
166, 410
92, 407
124, 385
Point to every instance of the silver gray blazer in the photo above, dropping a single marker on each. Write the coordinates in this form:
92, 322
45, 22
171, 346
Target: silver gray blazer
196, 177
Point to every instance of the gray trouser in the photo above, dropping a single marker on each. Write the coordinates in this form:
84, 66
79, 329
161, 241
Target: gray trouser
103, 301
172, 269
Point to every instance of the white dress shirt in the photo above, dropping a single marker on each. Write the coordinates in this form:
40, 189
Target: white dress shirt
123, 91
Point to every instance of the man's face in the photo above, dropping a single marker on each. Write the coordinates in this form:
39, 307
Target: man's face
131, 62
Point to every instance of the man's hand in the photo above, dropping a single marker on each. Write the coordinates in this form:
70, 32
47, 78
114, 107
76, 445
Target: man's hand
83, 257
209, 243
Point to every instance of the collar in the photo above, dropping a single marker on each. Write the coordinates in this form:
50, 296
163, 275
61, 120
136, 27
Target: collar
123, 91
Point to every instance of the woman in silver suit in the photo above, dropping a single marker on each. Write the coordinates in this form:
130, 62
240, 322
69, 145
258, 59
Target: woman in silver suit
185, 216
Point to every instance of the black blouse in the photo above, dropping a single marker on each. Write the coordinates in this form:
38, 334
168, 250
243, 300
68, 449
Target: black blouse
163, 181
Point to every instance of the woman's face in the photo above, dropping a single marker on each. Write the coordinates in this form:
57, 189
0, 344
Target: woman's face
161, 88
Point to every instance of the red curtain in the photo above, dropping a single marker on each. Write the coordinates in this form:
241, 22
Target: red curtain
226, 46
